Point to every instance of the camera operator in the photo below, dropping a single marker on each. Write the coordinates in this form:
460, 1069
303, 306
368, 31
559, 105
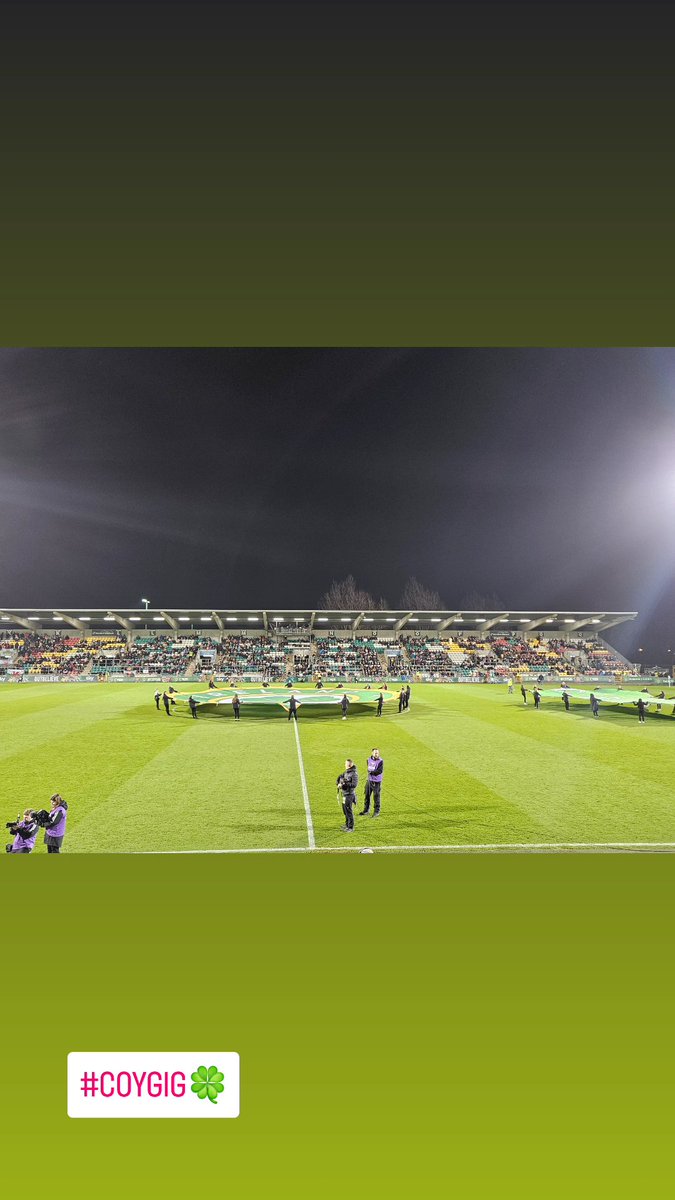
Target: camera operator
347, 784
25, 831
55, 825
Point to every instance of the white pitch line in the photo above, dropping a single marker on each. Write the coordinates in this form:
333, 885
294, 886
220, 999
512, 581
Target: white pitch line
239, 850
305, 793
524, 846
413, 849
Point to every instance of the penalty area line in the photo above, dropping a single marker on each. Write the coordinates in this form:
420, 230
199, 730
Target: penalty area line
305, 793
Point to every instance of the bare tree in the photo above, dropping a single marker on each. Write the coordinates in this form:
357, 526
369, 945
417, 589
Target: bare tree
490, 602
345, 593
419, 598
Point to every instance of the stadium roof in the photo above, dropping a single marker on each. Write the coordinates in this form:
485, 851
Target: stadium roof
316, 620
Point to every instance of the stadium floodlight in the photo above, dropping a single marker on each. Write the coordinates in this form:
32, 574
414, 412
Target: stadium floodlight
277, 618
346, 620
108, 618
253, 618
134, 618
32, 618
183, 618
413, 620
158, 618
79, 618
145, 602
549, 620
201, 618
480, 620
435, 620
390, 620
230, 618
368, 619
568, 621
322, 618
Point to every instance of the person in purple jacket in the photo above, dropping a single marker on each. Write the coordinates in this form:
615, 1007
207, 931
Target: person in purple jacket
25, 830
55, 828
373, 784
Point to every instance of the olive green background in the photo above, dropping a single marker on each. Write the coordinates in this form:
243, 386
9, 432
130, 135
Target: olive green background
342, 174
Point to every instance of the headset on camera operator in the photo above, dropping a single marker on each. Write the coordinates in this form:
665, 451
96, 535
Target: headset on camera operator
25, 831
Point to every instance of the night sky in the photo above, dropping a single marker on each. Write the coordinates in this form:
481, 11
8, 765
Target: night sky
249, 478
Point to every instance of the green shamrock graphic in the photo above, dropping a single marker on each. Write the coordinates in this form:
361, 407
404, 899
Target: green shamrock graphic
208, 1083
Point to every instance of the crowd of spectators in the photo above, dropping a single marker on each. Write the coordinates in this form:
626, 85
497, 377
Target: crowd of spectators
429, 658
504, 654
151, 655
272, 657
241, 655
346, 659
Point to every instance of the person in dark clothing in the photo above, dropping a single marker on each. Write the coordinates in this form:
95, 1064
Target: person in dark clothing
212, 683
595, 706
380, 702
344, 705
292, 708
55, 828
347, 784
166, 700
641, 707
401, 700
537, 697
523, 693
158, 697
566, 701
373, 784
24, 831
236, 705
193, 706
407, 695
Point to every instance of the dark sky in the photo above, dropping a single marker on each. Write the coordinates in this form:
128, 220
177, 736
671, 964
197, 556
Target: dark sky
253, 477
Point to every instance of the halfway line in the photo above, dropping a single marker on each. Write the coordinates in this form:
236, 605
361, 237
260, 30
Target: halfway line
305, 793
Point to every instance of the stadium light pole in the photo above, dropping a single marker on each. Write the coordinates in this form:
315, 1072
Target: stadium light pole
145, 602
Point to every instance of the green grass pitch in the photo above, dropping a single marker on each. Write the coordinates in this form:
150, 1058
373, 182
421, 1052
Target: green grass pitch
467, 765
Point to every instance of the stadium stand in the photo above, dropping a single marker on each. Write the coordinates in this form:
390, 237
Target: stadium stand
304, 653
261, 656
